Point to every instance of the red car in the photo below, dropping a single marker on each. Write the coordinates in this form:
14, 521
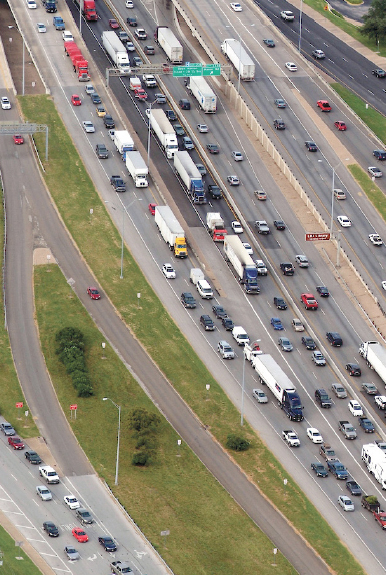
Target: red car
16, 442
140, 94
75, 100
18, 139
93, 293
324, 105
152, 208
381, 518
80, 535
340, 125
113, 24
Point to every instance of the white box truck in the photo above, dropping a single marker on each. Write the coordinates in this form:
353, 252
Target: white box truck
190, 175
123, 141
169, 44
271, 374
195, 275
216, 226
242, 263
163, 130
137, 169
203, 93
233, 51
375, 356
116, 51
375, 460
171, 231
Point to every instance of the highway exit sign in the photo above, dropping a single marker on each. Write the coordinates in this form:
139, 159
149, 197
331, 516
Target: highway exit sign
315, 237
194, 69
212, 70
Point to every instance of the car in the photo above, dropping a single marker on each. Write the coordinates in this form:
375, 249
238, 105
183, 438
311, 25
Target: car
184, 104
149, 50
321, 397
80, 535
338, 469
214, 192
132, 21
168, 271
5, 103
225, 350
285, 344
279, 224
375, 239
202, 128
353, 487
262, 227
100, 111
374, 172
269, 42
207, 323
308, 342
123, 36
31, 4
380, 401
107, 543
354, 369
67, 36
323, 105
33, 457
276, 323
236, 6
327, 452
129, 4
233, 180
314, 435
323, 291
50, 528
237, 156
130, 47
219, 311
302, 261
318, 54
311, 146
15, 442
339, 390
339, 194
279, 124
370, 388
111, 133
346, 503
101, 151
108, 122
151, 208
355, 408
297, 324
93, 293
287, 15
280, 103
366, 425
248, 248
227, 323
279, 303
84, 516
71, 553
261, 195
41, 27
334, 338
318, 358
118, 184
380, 517
161, 99
344, 221
136, 62
187, 143
379, 73
179, 130
71, 501
44, 493
18, 139
259, 395
7, 428
171, 115
319, 469
213, 148
341, 126
89, 88
237, 227
201, 168
188, 300
113, 24
88, 127
95, 98
291, 66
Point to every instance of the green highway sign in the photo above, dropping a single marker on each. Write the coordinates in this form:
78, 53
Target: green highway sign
212, 70
191, 70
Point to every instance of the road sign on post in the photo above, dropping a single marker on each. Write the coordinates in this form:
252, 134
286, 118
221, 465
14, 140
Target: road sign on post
191, 70
212, 70
317, 236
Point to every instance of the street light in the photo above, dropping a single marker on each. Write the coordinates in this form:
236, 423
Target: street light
119, 434
124, 208
243, 383
23, 77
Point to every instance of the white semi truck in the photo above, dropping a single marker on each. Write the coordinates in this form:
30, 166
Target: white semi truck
169, 44
137, 169
233, 51
242, 263
163, 130
123, 141
116, 51
171, 231
190, 175
375, 355
203, 93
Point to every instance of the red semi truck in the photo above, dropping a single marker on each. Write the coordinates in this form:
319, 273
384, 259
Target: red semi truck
88, 11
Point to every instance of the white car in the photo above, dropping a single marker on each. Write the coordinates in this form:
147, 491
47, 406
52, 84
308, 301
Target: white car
88, 127
31, 4
71, 501
291, 66
236, 7
302, 260
237, 156
344, 221
355, 408
374, 172
89, 89
67, 36
346, 503
233, 180
375, 239
248, 248
202, 128
129, 4
314, 435
237, 227
297, 324
260, 396
41, 27
168, 271
44, 493
5, 103
130, 47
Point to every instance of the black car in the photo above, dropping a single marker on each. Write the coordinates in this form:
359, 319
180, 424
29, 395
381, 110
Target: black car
214, 192
379, 73
184, 104
279, 303
311, 146
279, 124
354, 369
308, 342
227, 323
207, 322
132, 21
279, 224
118, 184
269, 43
380, 155
149, 50
179, 130
101, 151
213, 148
84, 516
170, 114
50, 528
334, 338
108, 122
32, 457
323, 291
188, 300
353, 487
219, 311
319, 469
107, 543
321, 397
95, 98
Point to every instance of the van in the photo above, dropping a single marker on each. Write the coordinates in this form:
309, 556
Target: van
204, 289
240, 335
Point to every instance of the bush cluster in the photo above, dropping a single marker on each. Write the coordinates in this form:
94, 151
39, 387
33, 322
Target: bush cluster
144, 423
70, 350
237, 443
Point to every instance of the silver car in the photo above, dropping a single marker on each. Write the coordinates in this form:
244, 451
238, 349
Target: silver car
44, 493
318, 358
237, 156
71, 553
225, 350
285, 344
88, 127
260, 396
339, 390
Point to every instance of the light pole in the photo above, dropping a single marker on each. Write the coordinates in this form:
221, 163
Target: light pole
119, 434
243, 382
123, 228
23, 76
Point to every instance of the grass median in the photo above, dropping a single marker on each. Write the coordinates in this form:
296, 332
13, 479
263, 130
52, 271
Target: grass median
15, 561
73, 192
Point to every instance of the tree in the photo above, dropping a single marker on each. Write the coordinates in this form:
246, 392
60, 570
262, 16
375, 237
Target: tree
375, 21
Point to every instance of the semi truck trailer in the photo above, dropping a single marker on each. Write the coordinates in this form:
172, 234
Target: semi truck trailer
116, 51
242, 263
137, 168
203, 93
171, 231
163, 130
169, 44
191, 177
233, 51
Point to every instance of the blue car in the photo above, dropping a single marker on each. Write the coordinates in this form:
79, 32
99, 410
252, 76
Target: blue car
276, 322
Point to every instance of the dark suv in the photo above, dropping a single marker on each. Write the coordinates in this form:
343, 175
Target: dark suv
188, 300
287, 269
108, 122
279, 303
321, 397
207, 323
101, 151
214, 192
184, 104
334, 338
279, 124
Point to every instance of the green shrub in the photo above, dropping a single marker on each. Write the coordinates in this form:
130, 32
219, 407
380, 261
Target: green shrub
141, 458
237, 443
70, 350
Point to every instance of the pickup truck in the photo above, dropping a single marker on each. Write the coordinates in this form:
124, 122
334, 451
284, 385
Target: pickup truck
366, 424
380, 401
49, 474
371, 503
381, 518
118, 184
327, 452
287, 268
338, 469
347, 429
119, 567
290, 437
262, 227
